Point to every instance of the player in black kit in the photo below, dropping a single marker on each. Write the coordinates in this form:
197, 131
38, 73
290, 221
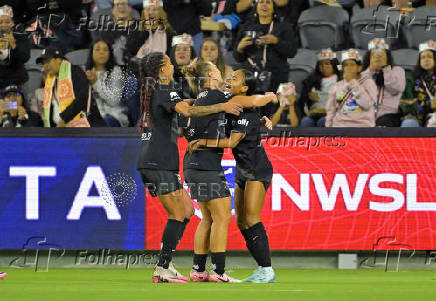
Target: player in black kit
204, 174
158, 161
253, 174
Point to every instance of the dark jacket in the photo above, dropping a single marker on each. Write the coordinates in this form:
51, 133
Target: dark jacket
33, 120
12, 71
185, 17
19, 8
276, 55
80, 87
72, 8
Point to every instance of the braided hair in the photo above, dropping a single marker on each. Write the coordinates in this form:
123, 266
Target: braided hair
149, 72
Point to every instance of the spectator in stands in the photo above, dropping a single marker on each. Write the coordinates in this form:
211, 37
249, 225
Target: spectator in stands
184, 17
154, 34
286, 114
290, 10
116, 30
66, 91
241, 8
107, 80
351, 100
13, 112
264, 45
56, 23
316, 90
14, 51
390, 81
182, 53
210, 51
422, 88
21, 14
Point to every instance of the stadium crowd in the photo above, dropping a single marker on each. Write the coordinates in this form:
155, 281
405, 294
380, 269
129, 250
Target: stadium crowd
64, 64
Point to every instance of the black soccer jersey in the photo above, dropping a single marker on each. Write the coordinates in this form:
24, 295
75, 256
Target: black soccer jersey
159, 142
249, 153
208, 127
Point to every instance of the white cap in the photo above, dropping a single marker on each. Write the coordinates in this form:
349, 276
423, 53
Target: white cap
326, 54
286, 89
146, 3
182, 39
378, 43
6, 10
429, 45
351, 54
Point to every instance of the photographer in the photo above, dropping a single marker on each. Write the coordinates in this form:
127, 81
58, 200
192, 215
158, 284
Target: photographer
14, 51
12, 110
265, 44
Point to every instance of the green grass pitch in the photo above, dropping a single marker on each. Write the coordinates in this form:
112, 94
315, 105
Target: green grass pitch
135, 284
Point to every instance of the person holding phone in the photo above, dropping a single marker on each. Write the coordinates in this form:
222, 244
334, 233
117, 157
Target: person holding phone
14, 51
13, 113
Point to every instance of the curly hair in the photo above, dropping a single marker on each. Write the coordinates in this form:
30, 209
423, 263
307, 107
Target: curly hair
149, 72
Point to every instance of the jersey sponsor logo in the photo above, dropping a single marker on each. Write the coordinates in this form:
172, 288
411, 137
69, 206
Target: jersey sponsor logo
202, 94
243, 122
174, 96
145, 136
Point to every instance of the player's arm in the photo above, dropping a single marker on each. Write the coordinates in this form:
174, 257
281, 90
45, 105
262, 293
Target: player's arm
228, 142
254, 100
187, 110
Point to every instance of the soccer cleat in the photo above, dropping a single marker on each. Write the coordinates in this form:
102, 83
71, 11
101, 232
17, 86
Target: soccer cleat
176, 273
198, 276
3, 275
161, 275
214, 277
262, 275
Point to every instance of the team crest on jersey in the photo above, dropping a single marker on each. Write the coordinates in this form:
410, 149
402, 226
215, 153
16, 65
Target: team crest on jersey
202, 94
228, 94
174, 96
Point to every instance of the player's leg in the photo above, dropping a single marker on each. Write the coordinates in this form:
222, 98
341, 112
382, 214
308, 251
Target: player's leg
201, 245
257, 239
3, 275
221, 212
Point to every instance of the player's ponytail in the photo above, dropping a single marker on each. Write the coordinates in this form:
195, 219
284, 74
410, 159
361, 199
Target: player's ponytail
196, 74
149, 72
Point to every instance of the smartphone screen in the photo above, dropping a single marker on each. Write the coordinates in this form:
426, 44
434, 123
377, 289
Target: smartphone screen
10, 105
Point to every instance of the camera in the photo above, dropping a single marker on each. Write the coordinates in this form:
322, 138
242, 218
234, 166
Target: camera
254, 35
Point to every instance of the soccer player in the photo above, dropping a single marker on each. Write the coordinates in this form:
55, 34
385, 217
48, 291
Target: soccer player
253, 175
158, 161
204, 174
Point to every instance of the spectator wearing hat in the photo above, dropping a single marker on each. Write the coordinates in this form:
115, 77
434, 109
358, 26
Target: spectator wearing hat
14, 51
390, 80
418, 103
182, 53
184, 17
351, 100
154, 33
13, 112
316, 90
66, 91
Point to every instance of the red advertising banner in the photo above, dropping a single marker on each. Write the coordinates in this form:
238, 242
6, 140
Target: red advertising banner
333, 193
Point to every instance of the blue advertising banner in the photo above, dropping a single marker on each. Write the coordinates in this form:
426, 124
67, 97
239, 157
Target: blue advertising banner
74, 193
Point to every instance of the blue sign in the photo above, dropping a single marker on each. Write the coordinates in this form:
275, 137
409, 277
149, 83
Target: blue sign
75, 193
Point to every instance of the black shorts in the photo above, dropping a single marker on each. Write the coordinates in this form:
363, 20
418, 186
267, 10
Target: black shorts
206, 185
159, 182
242, 176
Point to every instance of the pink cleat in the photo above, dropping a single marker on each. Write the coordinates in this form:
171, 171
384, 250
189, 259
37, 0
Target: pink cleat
161, 275
214, 277
199, 276
176, 273
3, 275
